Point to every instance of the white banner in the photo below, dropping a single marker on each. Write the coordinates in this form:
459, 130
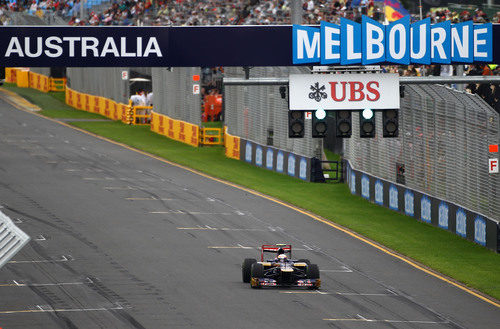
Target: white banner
344, 91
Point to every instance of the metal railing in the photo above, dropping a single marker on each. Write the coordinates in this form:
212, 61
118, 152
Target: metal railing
443, 145
211, 136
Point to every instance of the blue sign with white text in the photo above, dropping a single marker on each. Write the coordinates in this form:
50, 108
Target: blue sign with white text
400, 42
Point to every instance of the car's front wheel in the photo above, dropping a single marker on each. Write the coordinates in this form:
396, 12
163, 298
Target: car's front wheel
312, 271
246, 269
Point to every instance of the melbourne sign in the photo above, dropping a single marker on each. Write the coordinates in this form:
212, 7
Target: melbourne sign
400, 42
344, 91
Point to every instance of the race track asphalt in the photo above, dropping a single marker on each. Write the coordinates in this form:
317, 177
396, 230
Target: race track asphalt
123, 240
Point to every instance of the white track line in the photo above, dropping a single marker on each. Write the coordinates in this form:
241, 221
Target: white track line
42, 310
17, 284
386, 321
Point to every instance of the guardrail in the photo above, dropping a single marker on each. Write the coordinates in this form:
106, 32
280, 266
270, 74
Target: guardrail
211, 136
57, 84
140, 115
12, 239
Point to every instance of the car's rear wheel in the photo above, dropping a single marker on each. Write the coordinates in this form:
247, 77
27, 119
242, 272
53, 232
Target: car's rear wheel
246, 269
312, 271
307, 261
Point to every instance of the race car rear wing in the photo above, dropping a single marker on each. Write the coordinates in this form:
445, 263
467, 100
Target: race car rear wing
287, 248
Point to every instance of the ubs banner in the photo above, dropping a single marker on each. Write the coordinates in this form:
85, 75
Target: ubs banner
343, 91
275, 159
446, 215
273, 45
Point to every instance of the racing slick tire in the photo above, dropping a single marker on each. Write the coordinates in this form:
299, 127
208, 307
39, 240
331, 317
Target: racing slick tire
312, 271
257, 272
307, 261
246, 269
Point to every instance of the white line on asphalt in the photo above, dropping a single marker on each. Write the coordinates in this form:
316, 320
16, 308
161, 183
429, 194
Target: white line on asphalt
208, 228
17, 284
229, 247
40, 237
183, 212
119, 188
318, 292
150, 199
42, 310
62, 259
242, 247
343, 270
387, 321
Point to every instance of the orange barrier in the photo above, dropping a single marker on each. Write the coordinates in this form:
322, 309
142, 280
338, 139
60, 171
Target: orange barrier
22, 79
232, 145
11, 74
178, 130
38, 81
100, 105
25, 78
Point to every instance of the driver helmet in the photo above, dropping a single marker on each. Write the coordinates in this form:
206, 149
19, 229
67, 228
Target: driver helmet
281, 251
282, 258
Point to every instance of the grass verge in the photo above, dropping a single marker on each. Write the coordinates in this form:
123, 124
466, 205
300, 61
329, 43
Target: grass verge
438, 249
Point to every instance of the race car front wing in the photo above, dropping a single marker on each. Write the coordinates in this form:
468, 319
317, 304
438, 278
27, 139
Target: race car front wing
265, 282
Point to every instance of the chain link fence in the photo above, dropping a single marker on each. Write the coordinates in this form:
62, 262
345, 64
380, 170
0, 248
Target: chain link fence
259, 114
174, 95
442, 144
99, 81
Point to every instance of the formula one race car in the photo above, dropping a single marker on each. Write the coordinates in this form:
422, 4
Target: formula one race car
280, 271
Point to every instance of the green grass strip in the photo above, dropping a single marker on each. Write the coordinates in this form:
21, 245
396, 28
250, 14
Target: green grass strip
52, 103
438, 249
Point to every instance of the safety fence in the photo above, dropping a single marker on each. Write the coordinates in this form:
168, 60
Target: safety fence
12, 239
436, 170
175, 95
442, 148
181, 131
25, 78
232, 145
100, 81
260, 114
99, 105
212, 136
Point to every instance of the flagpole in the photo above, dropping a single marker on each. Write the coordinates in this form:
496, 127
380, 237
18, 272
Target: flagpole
385, 13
